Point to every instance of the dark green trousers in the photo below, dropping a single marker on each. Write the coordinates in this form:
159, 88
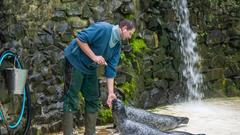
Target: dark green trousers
75, 82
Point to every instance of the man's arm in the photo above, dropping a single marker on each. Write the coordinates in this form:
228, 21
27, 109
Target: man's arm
88, 51
111, 95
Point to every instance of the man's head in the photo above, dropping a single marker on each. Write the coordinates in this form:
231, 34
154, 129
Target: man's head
127, 28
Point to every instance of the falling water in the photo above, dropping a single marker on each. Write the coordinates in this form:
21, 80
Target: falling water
188, 48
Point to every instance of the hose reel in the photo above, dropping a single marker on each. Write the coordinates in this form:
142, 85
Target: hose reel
13, 81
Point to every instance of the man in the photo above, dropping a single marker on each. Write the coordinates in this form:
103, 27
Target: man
99, 44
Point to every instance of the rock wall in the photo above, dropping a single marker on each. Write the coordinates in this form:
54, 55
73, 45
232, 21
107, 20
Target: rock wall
218, 31
217, 24
149, 71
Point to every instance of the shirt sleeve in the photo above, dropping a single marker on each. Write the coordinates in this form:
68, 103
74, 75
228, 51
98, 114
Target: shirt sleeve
89, 34
110, 69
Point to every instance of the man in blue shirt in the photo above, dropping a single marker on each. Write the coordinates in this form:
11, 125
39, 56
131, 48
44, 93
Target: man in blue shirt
99, 44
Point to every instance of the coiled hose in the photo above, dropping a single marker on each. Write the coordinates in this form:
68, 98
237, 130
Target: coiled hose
26, 95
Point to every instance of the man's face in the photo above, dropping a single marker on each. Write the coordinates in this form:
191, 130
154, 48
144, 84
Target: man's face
127, 34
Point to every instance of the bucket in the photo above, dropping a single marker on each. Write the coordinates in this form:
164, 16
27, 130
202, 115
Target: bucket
15, 79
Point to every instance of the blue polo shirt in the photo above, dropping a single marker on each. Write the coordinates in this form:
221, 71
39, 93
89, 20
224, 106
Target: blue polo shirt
97, 36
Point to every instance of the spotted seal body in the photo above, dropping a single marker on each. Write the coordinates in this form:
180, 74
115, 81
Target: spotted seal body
129, 127
159, 121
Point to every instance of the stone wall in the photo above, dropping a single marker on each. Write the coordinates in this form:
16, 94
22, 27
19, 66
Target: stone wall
217, 23
149, 71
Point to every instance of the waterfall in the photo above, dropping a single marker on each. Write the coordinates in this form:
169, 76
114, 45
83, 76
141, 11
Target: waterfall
188, 48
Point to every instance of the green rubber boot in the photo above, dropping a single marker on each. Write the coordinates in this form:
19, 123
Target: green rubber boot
67, 123
90, 123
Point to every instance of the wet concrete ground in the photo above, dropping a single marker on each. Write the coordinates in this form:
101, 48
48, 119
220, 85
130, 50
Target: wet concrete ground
219, 116
101, 130
211, 116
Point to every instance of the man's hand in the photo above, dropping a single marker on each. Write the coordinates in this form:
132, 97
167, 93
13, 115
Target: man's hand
87, 50
99, 60
111, 96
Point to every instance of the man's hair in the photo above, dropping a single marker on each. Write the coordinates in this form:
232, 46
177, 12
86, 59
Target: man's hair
130, 25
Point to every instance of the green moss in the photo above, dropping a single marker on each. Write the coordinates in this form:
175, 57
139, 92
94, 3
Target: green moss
131, 64
123, 57
137, 66
105, 115
232, 90
125, 60
138, 45
129, 16
203, 34
129, 88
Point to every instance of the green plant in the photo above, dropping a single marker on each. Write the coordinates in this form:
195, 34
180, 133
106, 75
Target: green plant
129, 16
203, 34
138, 45
129, 88
105, 115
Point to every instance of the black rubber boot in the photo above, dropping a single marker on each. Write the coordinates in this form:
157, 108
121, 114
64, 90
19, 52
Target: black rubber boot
90, 123
67, 123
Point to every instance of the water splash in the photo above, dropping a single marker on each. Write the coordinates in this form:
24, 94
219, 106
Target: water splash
188, 48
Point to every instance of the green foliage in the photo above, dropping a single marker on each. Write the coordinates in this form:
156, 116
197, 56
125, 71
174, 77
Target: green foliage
129, 16
105, 115
132, 66
128, 61
232, 90
125, 59
203, 34
122, 56
129, 88
138, 45
138, 69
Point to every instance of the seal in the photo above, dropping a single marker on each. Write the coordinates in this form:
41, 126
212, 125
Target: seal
129, 127
159, 121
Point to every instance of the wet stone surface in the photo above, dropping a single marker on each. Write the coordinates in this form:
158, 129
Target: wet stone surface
101, 130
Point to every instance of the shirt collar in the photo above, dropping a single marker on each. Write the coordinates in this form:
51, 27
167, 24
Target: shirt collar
115, 36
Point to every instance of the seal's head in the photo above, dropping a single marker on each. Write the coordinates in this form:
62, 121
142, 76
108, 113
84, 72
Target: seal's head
118, 111
118, 106
182, 120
